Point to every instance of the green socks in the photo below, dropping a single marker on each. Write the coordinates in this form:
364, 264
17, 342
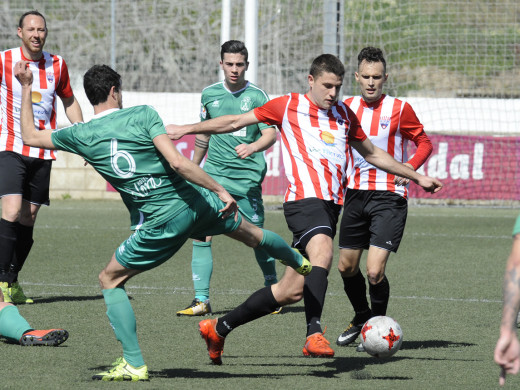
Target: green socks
267, 265
276, 247
201, 268
12, 324
122, 318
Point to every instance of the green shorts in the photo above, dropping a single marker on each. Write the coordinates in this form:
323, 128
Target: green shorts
147, 248
251, 208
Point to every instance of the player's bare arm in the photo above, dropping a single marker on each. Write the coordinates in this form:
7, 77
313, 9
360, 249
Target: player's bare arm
72, 109
382, 160
201, 148
30, 135
267, 139
222, 124
193, 173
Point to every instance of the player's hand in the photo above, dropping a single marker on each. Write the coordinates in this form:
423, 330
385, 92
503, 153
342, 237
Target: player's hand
176, 132
23, 73
244, 150
402, 181
507, 355
429, 184
230, 207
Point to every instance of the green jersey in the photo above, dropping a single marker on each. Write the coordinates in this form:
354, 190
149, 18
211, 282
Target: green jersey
238, 176
119, 145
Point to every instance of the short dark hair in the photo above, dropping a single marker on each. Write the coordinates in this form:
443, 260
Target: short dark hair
98, 81
35, 13
327, 63
371, 54
233, 47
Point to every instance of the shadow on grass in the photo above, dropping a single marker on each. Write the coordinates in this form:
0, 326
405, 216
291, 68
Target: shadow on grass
68, 298
285, 310
433, 344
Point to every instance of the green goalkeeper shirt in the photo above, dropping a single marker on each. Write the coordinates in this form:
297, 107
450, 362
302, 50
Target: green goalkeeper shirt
238, 176
119, 145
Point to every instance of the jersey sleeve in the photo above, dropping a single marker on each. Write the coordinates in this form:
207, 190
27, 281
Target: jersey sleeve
413, 130
262, 99
64, 90
64, 138
355, 132
273, 111
154, 123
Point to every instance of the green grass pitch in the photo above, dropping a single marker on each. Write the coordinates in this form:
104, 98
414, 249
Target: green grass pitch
446, 291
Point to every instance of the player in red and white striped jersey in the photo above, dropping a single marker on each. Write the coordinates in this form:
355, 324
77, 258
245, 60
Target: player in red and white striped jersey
375, 209
25, 170
316, 131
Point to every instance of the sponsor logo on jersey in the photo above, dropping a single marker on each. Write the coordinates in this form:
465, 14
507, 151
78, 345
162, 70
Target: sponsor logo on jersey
246, 104
327, 137
203, 111
216, 103
384, 121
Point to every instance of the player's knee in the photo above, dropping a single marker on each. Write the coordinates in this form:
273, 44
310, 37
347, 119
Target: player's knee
105, 281
347, 269
375, 276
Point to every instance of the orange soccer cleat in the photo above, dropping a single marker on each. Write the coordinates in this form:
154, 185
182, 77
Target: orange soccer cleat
317, 346
214, 342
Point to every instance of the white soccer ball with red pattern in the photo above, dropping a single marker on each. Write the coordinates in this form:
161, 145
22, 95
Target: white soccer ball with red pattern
381, 336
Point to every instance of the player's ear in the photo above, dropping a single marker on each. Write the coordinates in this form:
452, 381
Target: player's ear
19, 32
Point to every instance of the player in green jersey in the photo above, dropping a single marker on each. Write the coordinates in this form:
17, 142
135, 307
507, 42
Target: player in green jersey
170, 198
234, 160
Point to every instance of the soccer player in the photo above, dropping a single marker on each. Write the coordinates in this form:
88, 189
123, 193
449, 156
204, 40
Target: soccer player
16, 328
316, 130
130, 149
507, 350
25, 170
375, 209
234, 160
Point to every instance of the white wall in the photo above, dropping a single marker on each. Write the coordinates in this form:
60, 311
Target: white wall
464, 116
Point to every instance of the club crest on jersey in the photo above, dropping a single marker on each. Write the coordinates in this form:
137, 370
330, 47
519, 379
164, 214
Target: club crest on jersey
50, 77
384, 121
246, 104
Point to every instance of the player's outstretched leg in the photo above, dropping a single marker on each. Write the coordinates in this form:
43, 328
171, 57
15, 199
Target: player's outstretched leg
276, 247
14, 327
214, 341
48, 337
214, 332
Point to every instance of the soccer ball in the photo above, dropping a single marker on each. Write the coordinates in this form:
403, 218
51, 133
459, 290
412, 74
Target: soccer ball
381, 336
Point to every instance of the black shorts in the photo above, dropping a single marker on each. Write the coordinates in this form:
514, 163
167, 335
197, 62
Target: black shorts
309, 217
374, 218
26, 176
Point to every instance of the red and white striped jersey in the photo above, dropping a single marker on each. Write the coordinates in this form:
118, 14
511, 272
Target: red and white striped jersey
389, 123
314, 145
50, 78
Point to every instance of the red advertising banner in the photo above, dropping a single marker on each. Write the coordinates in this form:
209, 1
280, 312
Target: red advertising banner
473, 167
470, 167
